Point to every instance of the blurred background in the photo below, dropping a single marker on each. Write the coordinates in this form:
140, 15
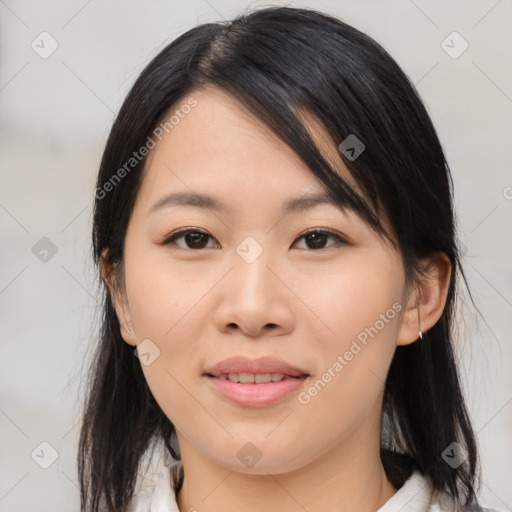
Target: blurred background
65, 68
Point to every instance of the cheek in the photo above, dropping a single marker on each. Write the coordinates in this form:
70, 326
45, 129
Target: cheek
166, 308
161, 294
348, 388
363, 292
362, 309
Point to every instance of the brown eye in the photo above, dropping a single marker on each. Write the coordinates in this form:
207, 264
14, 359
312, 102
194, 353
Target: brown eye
316, 239
193, 239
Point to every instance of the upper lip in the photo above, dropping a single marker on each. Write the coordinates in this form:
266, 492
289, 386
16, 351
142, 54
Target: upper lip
242, 364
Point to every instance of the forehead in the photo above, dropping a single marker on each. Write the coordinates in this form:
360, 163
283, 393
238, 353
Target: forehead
221, 147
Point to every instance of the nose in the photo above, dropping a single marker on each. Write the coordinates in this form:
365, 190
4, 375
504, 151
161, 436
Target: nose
255, 299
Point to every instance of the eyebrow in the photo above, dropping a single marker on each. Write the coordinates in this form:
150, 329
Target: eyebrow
293, 205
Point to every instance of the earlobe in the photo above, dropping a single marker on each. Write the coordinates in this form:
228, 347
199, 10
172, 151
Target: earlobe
411, 324
128, 335
425, 304
118, 300
124, 317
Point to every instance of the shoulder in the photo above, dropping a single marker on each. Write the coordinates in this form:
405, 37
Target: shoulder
443, 502
418, 495
156, 492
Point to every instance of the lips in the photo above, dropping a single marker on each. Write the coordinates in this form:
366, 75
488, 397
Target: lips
255, 382
243, 369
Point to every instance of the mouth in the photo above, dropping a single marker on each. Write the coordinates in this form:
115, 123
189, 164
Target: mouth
255, 383
259, 382
255, 378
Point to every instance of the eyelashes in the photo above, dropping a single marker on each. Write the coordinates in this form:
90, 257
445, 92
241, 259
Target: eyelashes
197, 238
171, 239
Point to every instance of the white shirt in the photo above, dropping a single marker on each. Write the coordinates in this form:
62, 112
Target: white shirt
156, 494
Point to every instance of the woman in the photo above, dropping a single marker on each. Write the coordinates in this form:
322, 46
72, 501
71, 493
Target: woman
275, 233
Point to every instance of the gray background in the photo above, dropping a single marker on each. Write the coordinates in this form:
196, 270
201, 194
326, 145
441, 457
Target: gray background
55, 117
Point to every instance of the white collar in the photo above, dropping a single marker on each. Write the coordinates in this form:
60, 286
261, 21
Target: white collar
416, 495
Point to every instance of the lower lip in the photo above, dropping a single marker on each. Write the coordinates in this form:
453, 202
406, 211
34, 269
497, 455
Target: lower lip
256, 395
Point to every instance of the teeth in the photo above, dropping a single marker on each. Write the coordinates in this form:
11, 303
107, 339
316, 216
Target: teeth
262, 377
246, 378
252, 378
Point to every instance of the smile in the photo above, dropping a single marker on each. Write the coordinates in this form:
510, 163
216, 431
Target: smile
251, 378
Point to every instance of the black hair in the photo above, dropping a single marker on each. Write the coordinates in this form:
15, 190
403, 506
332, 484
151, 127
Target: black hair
280, 63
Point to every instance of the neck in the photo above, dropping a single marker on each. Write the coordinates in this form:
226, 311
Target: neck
347, 477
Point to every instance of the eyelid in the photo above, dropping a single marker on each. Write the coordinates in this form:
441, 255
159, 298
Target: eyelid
169, 239
326, 231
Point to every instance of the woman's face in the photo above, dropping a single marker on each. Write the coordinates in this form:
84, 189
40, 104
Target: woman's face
251, 284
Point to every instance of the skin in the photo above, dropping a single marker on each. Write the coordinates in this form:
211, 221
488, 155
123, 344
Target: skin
296, 302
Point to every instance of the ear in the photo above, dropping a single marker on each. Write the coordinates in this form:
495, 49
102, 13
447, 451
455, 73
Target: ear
120, 301
425, 303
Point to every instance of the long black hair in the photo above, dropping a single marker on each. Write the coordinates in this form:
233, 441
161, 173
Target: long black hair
280, 62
